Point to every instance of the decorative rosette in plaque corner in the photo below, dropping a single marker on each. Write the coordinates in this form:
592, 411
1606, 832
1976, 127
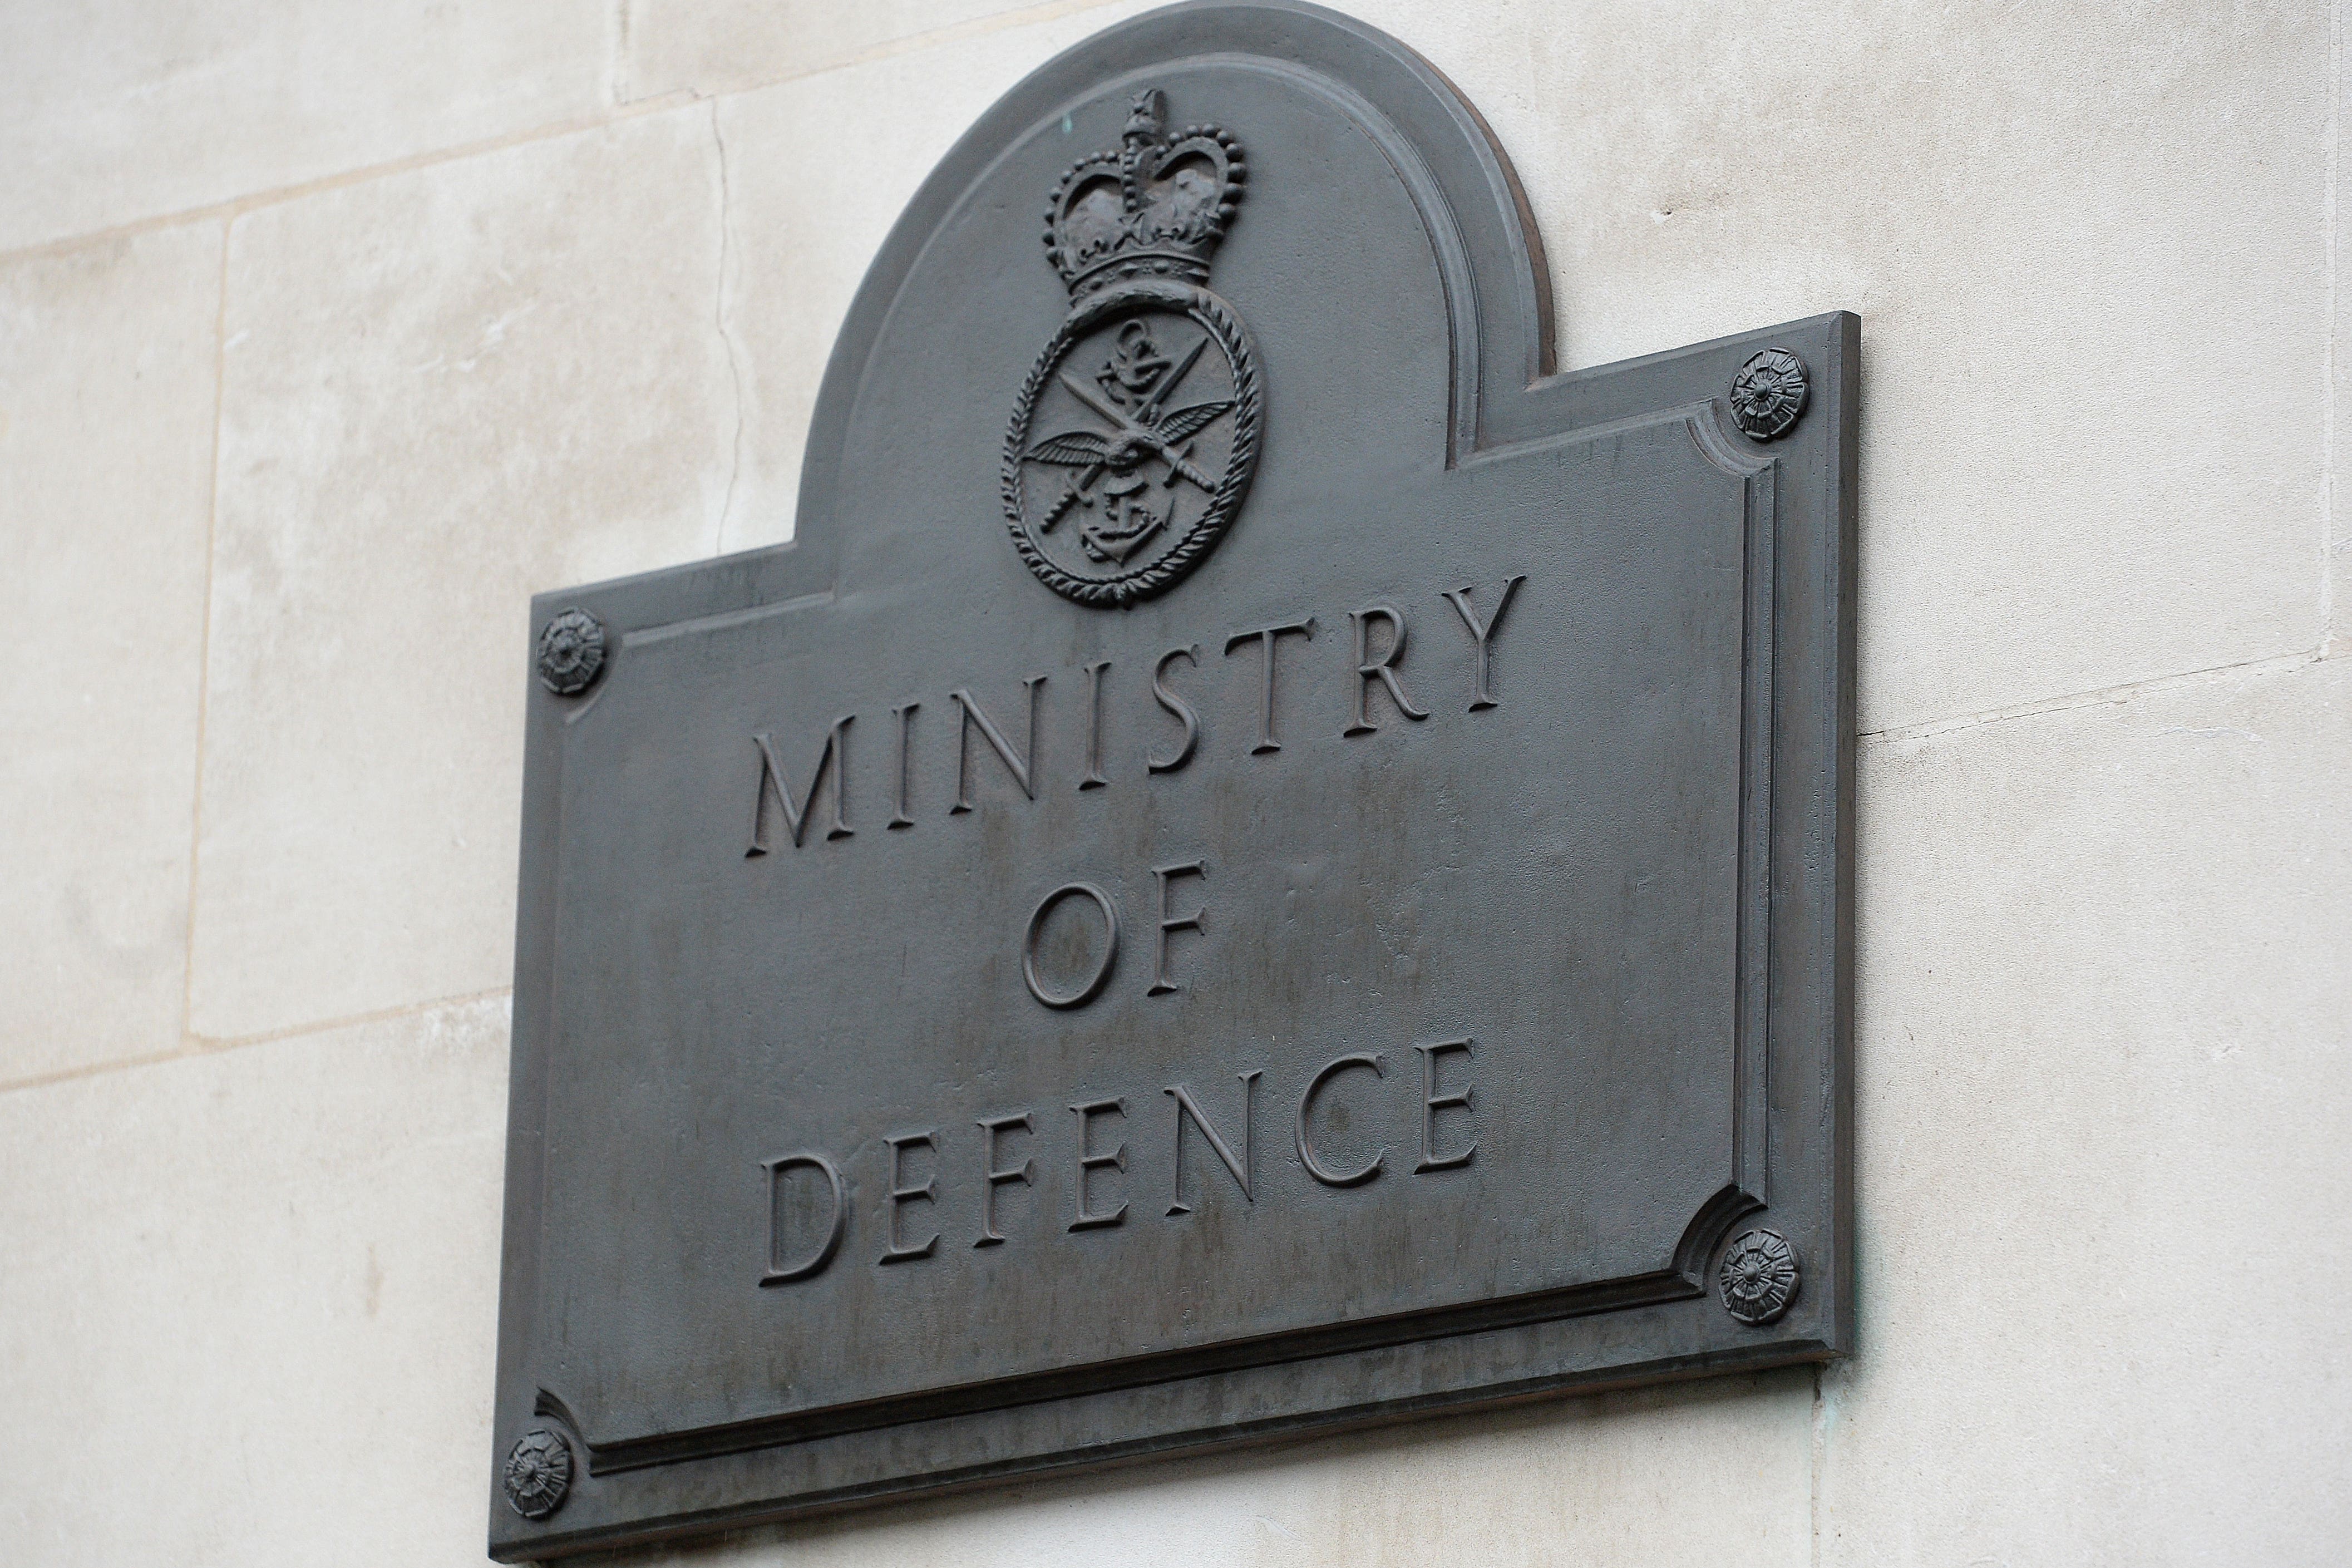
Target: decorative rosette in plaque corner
1136, 434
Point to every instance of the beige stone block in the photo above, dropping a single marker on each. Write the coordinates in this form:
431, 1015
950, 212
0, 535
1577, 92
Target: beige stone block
107, 368
248, 1313
1689, 1477
2089, 246
2337, 541
803, 229
124, 109
445, 390
2106, 1016
2338, 561
707, 47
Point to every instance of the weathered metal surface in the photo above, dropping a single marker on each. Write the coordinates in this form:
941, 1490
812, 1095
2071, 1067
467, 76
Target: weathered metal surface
1263, 862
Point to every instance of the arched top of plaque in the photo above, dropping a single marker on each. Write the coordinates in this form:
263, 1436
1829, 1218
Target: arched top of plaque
1381, 287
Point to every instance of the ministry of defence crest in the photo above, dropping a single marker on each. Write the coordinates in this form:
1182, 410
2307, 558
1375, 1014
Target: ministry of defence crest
1134, 436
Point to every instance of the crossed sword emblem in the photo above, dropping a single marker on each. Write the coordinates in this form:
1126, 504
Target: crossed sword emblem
1132, 438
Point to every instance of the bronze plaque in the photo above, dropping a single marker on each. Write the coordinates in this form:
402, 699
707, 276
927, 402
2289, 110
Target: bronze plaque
1264, 861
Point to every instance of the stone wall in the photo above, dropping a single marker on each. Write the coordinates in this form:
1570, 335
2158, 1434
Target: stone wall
331, 330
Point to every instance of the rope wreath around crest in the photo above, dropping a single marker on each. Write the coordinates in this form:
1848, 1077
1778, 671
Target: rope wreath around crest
1221, 322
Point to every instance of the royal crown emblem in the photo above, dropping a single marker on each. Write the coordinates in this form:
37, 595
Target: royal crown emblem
1136, 434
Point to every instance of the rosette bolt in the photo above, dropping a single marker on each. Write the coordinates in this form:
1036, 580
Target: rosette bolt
538, 1473
1768, 393
571, 652
1758, 1277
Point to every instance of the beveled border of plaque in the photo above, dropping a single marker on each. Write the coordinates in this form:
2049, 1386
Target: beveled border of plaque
1792, 1157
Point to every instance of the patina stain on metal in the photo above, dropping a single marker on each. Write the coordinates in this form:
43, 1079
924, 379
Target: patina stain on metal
1264, 861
